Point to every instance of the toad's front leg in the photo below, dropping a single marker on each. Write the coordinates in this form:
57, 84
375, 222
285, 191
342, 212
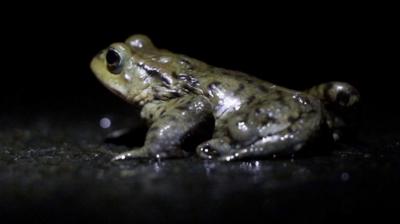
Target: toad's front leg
172, 122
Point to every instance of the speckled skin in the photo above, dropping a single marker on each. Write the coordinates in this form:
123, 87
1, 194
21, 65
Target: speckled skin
252, 118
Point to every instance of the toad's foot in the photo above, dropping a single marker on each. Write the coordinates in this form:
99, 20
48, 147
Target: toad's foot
132, 154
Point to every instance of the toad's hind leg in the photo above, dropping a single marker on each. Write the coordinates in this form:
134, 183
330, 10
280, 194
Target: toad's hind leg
283, 136
282, 143
340, 101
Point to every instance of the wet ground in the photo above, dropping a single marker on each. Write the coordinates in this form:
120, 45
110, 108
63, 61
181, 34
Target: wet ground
56, 167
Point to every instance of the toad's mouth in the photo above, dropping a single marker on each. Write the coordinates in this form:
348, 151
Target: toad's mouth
133, 97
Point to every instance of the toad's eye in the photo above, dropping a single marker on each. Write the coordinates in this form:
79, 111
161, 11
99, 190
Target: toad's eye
114, 61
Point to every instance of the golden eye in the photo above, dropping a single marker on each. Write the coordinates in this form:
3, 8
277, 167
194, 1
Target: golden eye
114, 61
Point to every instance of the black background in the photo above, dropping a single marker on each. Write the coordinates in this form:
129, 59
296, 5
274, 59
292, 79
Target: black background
46, 52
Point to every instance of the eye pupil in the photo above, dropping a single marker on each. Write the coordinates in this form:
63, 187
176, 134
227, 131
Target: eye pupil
113, 61
112, 57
